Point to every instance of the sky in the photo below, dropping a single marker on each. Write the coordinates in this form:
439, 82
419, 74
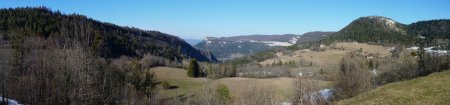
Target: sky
196, 19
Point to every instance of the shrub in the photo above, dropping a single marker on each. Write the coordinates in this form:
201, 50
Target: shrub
193, 69
143, 81
353, 78
165, 85
413, 54
306, 93
223, 94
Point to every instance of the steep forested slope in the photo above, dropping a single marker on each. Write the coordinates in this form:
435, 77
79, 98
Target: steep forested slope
373, 29
105, 39
433, 29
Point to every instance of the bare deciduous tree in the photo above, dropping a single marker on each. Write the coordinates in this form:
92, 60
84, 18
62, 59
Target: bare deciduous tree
307, 93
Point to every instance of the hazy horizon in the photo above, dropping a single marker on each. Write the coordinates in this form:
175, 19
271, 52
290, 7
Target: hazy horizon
198, 19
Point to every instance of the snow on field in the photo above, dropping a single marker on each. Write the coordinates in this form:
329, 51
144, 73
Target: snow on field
10, 101
326, 93
436, 52
413, 48
391, 49
286, 103
276, 43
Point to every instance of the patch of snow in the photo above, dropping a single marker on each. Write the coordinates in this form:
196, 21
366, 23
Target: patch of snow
391, 49
239, 46
421, 37
428, 48
253, 41
286, 103
374, 71
436, 52
413, 48
321, 46
276, 43
10, 101
326, 93
300, 74
293, 40
209, 42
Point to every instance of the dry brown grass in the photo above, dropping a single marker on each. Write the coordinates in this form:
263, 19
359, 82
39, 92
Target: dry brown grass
366, 48
330, 56
177, 77
281, 88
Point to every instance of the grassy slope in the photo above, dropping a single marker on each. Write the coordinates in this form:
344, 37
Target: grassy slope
433, 89
177, 77
282, 86
329, 57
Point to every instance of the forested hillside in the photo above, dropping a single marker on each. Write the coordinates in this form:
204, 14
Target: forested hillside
433, 29
382, 30
105, 39
49, 58
373, 29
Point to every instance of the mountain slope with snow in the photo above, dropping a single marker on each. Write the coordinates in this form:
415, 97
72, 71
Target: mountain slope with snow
225, 48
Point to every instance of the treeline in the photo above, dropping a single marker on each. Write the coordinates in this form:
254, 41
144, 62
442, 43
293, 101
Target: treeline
104, 39
36, 72
358, 74
432, 29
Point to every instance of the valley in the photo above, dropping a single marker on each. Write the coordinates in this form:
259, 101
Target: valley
249, 53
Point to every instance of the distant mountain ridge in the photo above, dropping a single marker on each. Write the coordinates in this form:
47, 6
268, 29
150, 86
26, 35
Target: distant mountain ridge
105, 39
373, 30
193, 42
225, 48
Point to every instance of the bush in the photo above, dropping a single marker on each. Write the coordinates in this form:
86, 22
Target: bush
353, 77
193, 69
143, 81
223, 94
165, 85
306, 93
149, 60
413, 54
402, 69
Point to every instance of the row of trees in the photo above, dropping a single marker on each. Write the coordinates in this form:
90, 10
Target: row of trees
34, 71
358, 75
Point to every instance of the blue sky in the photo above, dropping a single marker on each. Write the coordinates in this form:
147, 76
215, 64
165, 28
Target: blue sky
195, 19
